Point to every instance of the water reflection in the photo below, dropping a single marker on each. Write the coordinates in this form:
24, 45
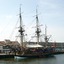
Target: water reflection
36, 60
58, 59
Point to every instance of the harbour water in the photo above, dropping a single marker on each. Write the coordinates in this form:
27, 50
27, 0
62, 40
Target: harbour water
57, 59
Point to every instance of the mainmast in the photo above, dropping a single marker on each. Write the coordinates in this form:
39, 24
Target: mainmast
37, 27
21, 28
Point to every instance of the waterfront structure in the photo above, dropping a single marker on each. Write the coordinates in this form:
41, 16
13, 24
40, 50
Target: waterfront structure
37, 49
16, 43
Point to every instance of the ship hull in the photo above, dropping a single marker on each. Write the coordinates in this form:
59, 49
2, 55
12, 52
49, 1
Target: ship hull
34, 56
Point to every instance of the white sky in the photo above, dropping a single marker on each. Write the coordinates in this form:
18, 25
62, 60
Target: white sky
51, 13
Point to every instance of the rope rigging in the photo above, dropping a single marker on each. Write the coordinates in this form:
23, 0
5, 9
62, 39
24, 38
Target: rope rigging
10, 37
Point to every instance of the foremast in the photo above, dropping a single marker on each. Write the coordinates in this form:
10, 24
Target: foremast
37, 27
21, 29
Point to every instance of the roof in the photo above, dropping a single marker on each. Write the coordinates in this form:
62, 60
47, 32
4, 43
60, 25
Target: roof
2, 43
8, 42
13, 43
33, 45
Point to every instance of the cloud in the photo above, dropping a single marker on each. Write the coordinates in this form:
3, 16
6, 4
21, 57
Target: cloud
8, 16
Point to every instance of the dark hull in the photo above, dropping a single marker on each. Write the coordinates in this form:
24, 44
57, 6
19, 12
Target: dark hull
36, 56
40, 55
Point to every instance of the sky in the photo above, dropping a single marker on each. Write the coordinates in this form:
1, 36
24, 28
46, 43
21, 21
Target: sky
50, 13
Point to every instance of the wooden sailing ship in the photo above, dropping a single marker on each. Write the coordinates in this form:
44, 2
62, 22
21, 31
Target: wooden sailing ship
33, 50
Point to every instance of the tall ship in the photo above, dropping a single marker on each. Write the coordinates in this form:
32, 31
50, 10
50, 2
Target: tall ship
33, 49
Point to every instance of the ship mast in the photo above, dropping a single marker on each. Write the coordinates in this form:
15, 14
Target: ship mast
37, 27
21, 28
46, 39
